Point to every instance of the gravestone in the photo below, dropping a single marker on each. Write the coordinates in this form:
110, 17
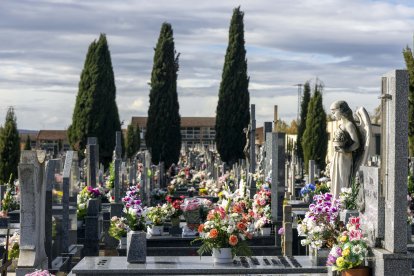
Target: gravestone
275, 163
373, 206
51, 169
92, 153
32, 254
393, 257
311, 175
92, 228
64, 235
252, 147
267, 128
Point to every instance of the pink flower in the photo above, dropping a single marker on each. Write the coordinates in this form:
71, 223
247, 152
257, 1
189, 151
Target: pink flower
355, 235
281, 231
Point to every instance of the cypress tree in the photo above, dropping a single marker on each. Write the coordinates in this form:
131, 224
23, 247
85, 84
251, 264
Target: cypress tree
163, 136
302, 123
9, 148
315, 137
96, 112
409, 62
232, 114
27, 144
133, 141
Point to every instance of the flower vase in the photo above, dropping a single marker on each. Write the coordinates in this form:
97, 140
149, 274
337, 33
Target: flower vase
265, 231
123, 242
222, 255
136, 247
319, 257
358, 271
175, 221
12, 267
155, 230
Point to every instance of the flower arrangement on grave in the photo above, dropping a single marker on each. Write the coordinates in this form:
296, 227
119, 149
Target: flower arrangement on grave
308, 191
259, 178
118, 227
13, 246
87, 193
191, 210
158, 214
351, 248
176, 204
321, 226
110, 181
131, 197
224, 229
158, 194
9, 202
40, 273
410, 213
348, 196
261, 208
322, 188
134, 214
198, 177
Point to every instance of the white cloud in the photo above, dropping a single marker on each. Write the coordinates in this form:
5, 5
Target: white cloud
346, 45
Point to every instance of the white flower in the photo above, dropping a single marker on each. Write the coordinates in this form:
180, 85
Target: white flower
357, 249
304, 242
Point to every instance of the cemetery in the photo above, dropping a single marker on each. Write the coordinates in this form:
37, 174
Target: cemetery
145, 201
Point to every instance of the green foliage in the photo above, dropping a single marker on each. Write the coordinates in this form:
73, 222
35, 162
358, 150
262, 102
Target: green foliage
111, 178
232, 114
27, 145
410, 180
14, 251
132, 141
118, 228
9, 202
409, 62
96, 112
163, 135
315, 137
303, 115
9, 148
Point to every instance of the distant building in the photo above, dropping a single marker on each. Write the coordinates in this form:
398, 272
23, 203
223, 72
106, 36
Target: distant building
194, 130
23, 137
52, 140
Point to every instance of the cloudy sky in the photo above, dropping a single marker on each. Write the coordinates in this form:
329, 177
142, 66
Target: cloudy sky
346, 44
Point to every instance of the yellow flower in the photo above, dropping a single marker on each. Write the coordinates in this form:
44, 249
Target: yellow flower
343, 239
340, 261
346, 252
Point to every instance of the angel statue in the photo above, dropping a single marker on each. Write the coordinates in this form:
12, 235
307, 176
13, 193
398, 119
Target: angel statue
351, 142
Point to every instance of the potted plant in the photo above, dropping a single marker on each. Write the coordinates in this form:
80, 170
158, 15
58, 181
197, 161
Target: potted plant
321, 226
348, 255
348, 198
88, 193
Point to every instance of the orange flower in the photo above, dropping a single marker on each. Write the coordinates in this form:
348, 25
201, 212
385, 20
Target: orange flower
233, 240
241, 226
237, 209
200, 228
210, 216
213, 233
248, 235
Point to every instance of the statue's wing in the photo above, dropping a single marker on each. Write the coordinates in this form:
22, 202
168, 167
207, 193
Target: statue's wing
364, 126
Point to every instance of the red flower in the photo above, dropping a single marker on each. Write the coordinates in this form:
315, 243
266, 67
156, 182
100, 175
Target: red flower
233, 240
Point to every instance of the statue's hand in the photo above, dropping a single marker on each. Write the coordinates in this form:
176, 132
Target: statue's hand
339, 149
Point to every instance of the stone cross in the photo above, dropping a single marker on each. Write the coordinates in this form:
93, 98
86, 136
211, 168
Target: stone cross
92, 153
32, 212
394, 152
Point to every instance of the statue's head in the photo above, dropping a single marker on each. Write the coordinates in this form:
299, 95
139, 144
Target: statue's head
341, 108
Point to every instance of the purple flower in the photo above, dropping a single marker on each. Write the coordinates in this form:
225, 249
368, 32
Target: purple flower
127, 205
281, 231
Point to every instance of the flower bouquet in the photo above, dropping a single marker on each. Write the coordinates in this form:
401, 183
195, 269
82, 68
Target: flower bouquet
87, 193
307, 192
132, 197
118, 228
40, 273
351, 249
191, 209
261, 209
224, 231
320, 227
